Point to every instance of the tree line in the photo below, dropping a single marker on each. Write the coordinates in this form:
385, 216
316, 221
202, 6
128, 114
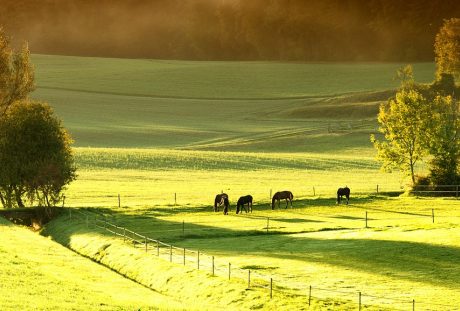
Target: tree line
294, 30
422, 122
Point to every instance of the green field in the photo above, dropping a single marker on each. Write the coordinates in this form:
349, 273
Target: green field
167, 136
242, 106
39, 274
401, 256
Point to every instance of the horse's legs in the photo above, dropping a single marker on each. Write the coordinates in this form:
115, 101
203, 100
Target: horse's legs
287, 203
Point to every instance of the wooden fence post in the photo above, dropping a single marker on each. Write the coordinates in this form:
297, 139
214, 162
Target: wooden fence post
198, 259
184, 256
249, 279
212, 265
359, 302
170, 253
268, 223
377, 189
183, 228
63, 200
309, 296
366, 219
314, 192
413, 304
119, 202
432, 214
229, 270
175, 199
271, 288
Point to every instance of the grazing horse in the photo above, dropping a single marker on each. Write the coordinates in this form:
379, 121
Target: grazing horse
247, 199
343, 192
221, 199
282, 195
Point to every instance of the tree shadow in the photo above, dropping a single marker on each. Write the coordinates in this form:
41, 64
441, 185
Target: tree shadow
413, 261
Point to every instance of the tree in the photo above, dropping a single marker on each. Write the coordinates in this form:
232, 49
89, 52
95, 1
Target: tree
447, 48
403, 123
35, 155
16, 73
444, 141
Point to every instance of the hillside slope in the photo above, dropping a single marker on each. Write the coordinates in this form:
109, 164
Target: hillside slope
39, 274
249, 106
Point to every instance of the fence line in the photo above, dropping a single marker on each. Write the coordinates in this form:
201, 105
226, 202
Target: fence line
257, 280
319, 191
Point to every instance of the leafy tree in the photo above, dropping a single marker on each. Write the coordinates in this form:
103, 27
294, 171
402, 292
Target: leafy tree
444, 140
447, 48
16, 73
35, 155
403, 123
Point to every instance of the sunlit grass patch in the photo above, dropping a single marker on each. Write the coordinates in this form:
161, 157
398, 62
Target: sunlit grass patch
40, 274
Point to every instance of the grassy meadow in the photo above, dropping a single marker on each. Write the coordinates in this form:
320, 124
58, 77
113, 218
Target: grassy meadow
402, 255
167, 136
39, 274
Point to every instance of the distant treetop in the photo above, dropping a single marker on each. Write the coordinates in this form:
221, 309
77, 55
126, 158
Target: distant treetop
301, 30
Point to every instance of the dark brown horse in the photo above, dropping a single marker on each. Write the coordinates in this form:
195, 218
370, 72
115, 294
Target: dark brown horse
282, 195
343, 192
221, 199
242, 201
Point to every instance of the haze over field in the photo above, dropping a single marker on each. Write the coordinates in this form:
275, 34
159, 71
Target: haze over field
328, 30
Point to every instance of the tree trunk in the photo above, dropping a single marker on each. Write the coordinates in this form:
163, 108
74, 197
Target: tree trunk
18, 197
2, 200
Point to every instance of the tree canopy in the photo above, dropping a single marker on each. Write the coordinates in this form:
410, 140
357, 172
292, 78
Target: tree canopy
403, 124
36, 160
35, 155
16, 73
447, 49
303, 30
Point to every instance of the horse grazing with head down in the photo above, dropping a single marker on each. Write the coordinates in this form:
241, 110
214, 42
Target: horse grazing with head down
221, 199
343, 192
282, 195
242, 201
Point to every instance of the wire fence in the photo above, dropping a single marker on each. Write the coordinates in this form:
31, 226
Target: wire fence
255, 280
261, 196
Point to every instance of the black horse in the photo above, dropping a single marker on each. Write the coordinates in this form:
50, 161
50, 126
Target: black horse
221, 199
282, 195
242, 201
343, 192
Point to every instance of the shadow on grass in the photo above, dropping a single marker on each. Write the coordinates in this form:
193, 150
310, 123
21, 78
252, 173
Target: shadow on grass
421, 262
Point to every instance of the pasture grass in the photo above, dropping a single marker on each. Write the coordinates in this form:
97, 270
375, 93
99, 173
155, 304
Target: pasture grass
216, 80
155, 177
180, 132
401, 256
39, 274
238, 106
